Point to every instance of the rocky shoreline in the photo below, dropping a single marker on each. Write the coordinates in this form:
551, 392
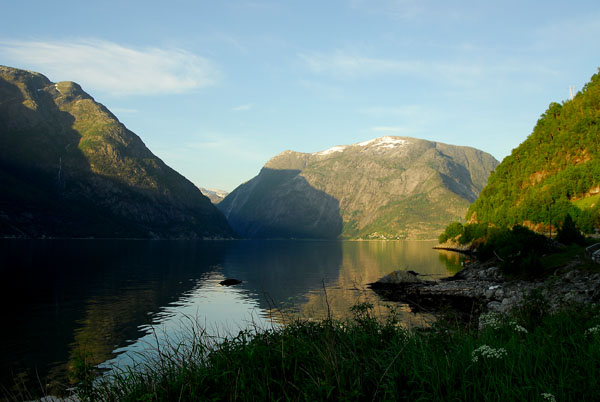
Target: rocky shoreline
481, 287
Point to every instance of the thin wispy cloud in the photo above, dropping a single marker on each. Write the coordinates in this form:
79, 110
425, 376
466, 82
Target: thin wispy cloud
113, 68
351, 65
343, 64
243, 108
407, 120
462, 74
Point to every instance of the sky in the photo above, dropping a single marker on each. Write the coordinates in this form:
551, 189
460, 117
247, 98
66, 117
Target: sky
217, 88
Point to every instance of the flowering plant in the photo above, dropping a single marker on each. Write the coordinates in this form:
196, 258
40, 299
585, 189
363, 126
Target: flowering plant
487, 352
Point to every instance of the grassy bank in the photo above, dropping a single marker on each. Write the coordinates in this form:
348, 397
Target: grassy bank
530, 356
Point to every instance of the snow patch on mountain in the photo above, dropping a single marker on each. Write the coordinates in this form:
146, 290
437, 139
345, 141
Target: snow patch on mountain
381, 142
384, 142
213, 194
337, 148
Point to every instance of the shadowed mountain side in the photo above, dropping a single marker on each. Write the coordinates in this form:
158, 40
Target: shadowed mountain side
385, 188
279, 203
69, 168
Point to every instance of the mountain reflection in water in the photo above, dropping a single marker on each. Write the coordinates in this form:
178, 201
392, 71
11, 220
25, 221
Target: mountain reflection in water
108, 299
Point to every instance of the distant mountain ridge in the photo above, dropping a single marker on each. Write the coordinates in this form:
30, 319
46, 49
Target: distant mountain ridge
69, 168
385, 188
214, 195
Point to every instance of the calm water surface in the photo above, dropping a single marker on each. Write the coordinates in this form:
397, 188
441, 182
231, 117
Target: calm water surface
109, 299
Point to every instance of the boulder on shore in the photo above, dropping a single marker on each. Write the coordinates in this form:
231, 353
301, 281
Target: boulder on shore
481, 286
400, 277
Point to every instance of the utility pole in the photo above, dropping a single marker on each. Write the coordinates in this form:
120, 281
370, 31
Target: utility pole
571, 92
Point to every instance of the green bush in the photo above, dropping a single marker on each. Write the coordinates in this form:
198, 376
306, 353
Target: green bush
464, 233
472, 232
518, 249
452, 231
568, 233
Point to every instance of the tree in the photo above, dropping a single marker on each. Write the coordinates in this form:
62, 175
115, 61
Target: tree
568, 232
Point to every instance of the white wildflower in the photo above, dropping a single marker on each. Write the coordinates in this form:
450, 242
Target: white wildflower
487, 352
518, 328
548, 397
495, 321
490, 320
592, 331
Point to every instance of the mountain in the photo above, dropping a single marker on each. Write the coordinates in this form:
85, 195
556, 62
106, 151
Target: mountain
385, 188
554, 172
215, 196
69, 168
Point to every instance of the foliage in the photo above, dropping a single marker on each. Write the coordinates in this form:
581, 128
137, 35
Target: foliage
472, 232
558, 164
452, 231
517, 358
518, 249
464, 234
83, 373
569, 234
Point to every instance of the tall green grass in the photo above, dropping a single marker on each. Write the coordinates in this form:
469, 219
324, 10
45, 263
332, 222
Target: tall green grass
529, 356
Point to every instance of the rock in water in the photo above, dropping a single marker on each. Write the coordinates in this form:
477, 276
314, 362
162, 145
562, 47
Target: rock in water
230, 282
400, 277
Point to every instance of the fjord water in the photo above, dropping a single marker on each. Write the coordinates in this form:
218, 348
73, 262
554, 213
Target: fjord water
108, 299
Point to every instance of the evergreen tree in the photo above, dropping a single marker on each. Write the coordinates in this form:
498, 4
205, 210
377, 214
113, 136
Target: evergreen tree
568, 233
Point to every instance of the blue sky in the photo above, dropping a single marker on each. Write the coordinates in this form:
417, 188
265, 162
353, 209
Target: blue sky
216, 88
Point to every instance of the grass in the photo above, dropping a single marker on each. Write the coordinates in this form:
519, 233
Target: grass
588, 202
572, 253
514, 358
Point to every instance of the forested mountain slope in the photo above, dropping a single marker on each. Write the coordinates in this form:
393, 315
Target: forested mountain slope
554, 172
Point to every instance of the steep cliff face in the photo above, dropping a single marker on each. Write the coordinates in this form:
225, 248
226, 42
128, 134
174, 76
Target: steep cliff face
389, 187
68, 167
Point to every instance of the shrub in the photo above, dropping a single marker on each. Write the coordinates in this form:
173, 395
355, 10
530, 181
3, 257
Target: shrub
472, 232
518, 249
452, 231
568, 233
464, 233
